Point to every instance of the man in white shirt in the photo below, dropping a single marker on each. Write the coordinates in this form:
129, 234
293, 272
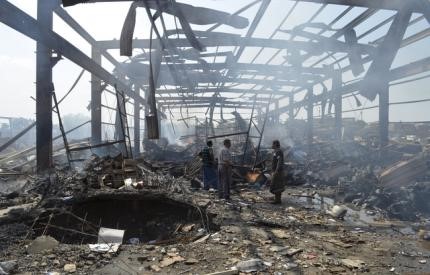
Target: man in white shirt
225, 171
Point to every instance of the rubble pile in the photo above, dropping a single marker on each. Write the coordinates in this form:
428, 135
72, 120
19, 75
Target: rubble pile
407, 203
108, 171
365, 177
329, 161
246, 235
344, 212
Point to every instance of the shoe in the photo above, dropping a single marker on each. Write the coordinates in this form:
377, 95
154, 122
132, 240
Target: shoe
276, 202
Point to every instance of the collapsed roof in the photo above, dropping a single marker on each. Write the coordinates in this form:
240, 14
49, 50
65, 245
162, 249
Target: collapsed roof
355, 40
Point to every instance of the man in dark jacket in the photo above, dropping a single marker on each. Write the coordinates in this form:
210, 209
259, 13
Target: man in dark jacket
277, 186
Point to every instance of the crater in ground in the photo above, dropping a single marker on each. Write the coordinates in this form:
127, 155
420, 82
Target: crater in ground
150, 219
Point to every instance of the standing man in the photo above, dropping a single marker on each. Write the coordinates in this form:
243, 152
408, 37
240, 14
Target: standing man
277, 186
225, 171
210, 179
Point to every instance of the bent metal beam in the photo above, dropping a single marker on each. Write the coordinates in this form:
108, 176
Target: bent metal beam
13, 17
375, 4
313, 48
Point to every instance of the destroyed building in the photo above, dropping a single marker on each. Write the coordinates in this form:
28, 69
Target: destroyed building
108, 167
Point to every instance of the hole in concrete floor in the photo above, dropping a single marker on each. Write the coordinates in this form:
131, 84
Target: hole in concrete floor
150, 219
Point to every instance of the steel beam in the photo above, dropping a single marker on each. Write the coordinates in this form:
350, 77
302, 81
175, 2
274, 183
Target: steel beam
96, 102
16, 137
404, 71
136, 136
259, 69
66, 17
217, 104
374, 4
424, 7
337, 85
191, 99
225, 90
381, 4
44, 85
13, 17
384, 112
418, 6
69, 20
359, 19
200, 78
291, 109
387, 51
262, 9
310, 120
314, 48
290, 125
276, 113
199, 105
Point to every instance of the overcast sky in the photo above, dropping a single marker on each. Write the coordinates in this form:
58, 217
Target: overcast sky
104, 21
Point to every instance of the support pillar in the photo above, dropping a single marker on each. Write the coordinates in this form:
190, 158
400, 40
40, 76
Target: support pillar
259, 114
136, 125
152, 119
44, 89
120, 125
291, 115
337, 84
291, 107
146, 112
276, 115
96, 102
310, 123
384, 101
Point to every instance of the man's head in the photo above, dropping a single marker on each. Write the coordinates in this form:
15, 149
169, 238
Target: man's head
209, 143
276, 144
227, 143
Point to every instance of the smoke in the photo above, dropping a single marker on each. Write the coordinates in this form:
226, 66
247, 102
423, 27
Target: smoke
277, 132
177, 132
168, 132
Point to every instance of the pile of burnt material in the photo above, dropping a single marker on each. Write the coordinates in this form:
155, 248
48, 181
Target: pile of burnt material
110, 171
400, 190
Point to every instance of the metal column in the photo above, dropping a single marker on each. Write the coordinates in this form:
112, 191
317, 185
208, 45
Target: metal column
259, 114
146, 112
291, 107
384, 100
337, 84
276, 115
310, 123
96, 102
290, 121
136, 125
44, 89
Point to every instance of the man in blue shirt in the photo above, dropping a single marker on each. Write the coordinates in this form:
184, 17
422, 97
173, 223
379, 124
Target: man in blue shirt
209, 172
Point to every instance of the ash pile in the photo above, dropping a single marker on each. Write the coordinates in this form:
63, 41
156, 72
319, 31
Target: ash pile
393, 181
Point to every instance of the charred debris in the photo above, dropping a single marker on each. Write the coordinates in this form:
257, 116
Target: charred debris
130, 194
